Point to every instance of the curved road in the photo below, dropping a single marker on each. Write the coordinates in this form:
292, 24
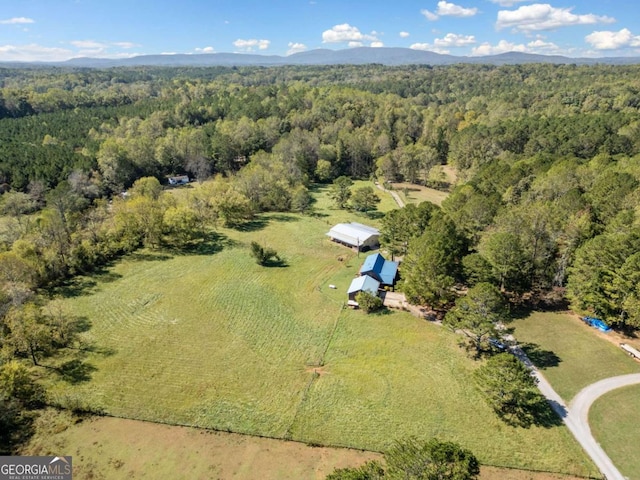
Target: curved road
576, 416
579, 412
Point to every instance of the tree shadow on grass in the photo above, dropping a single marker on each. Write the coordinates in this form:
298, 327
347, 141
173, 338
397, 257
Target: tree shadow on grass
541, 358
538, 412
276, 262
548, 413
148, 257
254, 225
74, 287
76, 371
207, 244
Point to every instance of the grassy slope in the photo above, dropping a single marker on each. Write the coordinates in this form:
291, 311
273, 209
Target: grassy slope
620, 409
108, 448
389, 376
411, 193
217, 341
581, 356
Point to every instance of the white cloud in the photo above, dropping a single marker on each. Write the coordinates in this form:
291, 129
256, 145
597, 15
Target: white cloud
427, 47
17, 21
454, 40
125, 44
538, 46
606, 40
404, 34
352, 35
88, 44
507, 3
503, 46
451, 9
432, 17
249, 45
296, 48
448, 9
33, 53
420, 46
205, 50
345, 33
542, 16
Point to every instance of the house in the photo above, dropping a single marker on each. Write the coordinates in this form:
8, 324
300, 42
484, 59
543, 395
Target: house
362, 283
355, 235
179, 180
385, 271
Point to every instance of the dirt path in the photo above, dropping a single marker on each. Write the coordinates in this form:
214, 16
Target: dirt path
576, 416
393, 194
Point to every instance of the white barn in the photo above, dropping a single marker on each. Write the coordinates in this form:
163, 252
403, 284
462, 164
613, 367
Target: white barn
355, 235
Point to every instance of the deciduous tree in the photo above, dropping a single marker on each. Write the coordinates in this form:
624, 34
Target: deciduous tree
340, 191
509, 388
478, 316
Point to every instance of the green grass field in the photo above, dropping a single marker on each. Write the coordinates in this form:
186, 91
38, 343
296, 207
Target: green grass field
571, 354
412, 193
621, 409
216, 341
107, 448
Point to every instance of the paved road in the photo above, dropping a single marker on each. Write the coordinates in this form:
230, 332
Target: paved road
576, 416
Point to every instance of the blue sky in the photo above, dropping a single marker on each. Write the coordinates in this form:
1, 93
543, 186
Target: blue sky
54, 30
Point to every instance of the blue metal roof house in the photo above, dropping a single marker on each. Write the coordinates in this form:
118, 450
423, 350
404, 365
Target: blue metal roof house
385, 271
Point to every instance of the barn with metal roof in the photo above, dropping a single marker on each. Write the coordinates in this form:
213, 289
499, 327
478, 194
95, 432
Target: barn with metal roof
355, 235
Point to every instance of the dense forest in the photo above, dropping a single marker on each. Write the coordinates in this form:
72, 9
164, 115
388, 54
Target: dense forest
547, 158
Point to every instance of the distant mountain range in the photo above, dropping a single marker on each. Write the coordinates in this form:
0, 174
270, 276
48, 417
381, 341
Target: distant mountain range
351, 56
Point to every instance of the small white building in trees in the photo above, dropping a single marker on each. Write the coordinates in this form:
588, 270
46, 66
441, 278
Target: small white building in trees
355, 235
178, 180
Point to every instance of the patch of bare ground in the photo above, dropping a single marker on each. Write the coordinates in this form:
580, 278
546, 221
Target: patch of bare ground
495, 473
108, 448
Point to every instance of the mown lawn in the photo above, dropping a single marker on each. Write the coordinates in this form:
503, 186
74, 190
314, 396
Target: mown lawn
106, 448
614, 420
570, 354
389, 376
412, 193
216, 341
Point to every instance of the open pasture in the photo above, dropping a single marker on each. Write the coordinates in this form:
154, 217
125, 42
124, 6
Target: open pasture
412, 193
211, 339
107, 448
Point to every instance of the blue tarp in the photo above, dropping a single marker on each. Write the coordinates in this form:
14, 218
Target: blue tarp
596, 323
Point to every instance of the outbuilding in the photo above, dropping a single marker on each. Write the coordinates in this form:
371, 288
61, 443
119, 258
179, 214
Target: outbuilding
179, 180
363, 283
355, 235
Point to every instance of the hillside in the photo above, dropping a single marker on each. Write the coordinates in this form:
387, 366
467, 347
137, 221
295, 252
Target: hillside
352, 56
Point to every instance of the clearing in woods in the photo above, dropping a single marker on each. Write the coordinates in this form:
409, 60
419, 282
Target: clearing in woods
216, 341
